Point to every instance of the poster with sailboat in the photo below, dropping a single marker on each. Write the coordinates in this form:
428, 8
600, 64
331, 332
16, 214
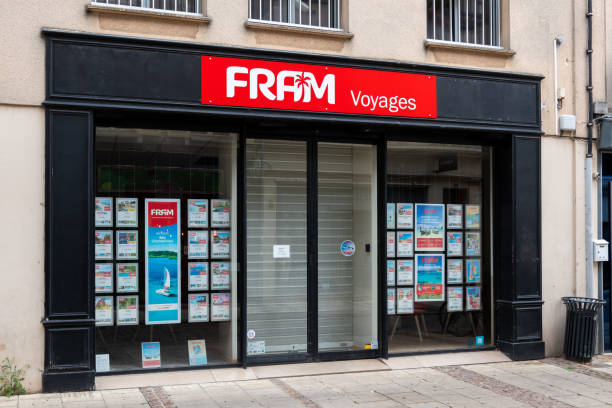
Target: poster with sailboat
162, 261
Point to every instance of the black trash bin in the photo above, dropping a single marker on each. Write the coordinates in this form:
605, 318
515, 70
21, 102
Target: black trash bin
580, 327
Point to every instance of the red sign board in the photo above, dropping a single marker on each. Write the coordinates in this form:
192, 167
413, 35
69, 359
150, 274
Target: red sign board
318, 88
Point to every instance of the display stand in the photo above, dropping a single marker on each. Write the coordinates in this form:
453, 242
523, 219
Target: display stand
416, 321
448, 316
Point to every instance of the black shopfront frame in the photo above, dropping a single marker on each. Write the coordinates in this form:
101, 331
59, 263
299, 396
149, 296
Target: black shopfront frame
94, 80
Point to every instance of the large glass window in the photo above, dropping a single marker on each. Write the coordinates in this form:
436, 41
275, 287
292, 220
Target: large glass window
438, 252
165, 249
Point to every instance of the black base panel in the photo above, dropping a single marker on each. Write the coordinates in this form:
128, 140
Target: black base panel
69, 381
532, 350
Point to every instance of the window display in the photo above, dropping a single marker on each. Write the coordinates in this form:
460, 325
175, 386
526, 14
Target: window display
198, 275
127, 277
404, 216
390, 273
454, 243
104, 212
127, 310
197, 211
127, 245
198, 244
127, 212
429, 227
404, 271
404, 244
104, 278
104, 245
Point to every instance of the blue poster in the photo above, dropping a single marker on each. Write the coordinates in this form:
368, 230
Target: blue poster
162, 261
429, 227
429, 278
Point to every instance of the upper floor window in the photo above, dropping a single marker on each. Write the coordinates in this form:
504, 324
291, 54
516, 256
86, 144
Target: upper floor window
464, 21
178, 6
312, 13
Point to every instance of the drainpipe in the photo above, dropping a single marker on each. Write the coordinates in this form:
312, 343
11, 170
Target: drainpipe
589, 160
556, 42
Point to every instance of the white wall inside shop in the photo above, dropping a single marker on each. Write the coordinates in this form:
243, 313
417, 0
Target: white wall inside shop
22, 293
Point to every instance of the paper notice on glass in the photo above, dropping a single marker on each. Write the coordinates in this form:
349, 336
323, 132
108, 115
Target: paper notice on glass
127, 244
472, 244
220, 275
391, 244
104, 212
104, 244
104, 310
102, 363
127, 310
198, 307
220, 213
198, 275
404, 244
256, 347
390, 273
220, 247
454, 243
405, 268
127, 277
198, 244
127, 212
429, 227
429, 277
390, 216
472, 301
454, 271
454, 300
472, 216
151, 355
405, 300
454, 216
404, 215
281, 251
197, 352
220, 307
472, 271
391, 301
197, 213
104, 278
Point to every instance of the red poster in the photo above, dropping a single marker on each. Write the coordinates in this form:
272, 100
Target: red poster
281, 85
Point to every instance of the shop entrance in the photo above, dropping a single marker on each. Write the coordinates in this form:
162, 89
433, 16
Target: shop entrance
312, 252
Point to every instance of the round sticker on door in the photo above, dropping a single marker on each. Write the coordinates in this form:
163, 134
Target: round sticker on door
251, 334
347, 248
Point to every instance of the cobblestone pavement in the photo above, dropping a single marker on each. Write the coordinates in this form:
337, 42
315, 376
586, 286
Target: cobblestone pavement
546, 383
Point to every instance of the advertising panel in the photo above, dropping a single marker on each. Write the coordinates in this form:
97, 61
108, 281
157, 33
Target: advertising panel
104, 212
429, 277
405, 300
127, 310
198, 307
104, 278
429, 227
404, 215
127, 277
198, 275
405, 269
197, 213
405, 244
127, 212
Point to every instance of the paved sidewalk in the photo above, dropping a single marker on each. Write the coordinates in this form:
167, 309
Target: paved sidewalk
546, 383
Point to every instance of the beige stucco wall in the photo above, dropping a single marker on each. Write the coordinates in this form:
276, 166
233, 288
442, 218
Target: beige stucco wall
390, 30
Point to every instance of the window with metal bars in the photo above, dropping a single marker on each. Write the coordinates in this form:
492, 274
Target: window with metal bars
178, 6
464, 21
313, 13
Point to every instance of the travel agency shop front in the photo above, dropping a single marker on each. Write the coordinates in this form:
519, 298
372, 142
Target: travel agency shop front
213, 206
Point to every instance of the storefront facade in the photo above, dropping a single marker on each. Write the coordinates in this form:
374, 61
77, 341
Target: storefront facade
378, 209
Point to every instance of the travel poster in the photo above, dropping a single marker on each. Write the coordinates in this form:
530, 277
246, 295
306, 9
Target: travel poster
255, 348
220, 244
454, 301
390, 273
429, 227
429, 277
404, 215
127, 244
104, 278
103, 244
472, 216
391, 244
197, 352
405, 300
198, 244
472, 271
127, 212
454, 216
197, 213
198, 275
391, 301
127, 277
454, 271
220, 307
162, 261
390, 216
472, 244
198, 307
104, 310
127, 310
473, 298
104, 212
219, 275
405, 244
404, 271
151, 354
220, 213
454, 243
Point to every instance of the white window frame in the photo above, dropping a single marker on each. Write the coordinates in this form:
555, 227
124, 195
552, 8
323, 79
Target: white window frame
148, 5
294, 21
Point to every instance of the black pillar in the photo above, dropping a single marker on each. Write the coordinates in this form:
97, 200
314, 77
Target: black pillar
518, 305
69, 310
